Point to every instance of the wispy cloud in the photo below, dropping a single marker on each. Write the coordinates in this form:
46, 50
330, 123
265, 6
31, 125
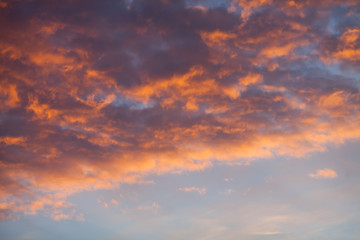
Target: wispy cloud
154, 207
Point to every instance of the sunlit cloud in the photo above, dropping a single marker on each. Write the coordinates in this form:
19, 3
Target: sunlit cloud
91, 100
324, 173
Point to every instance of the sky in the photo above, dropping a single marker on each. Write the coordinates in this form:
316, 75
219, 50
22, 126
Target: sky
179, 119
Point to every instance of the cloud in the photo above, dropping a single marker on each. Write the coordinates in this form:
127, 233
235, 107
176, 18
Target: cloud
324, 173
96, 94
229, 191
61, 217
154, 207
200, 191
12, 140
344, 48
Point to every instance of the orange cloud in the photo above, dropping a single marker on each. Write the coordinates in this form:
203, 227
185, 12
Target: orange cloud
13, 140
347, 47
9, 96
248, 5
216, 37
278, 51
90, 106
324, 173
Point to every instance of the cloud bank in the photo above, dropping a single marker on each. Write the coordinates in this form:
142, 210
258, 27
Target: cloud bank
97, 93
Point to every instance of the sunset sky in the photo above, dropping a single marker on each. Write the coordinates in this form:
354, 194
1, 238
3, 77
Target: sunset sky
179, 119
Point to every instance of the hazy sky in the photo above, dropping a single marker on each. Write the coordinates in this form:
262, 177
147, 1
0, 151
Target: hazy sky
161, 119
